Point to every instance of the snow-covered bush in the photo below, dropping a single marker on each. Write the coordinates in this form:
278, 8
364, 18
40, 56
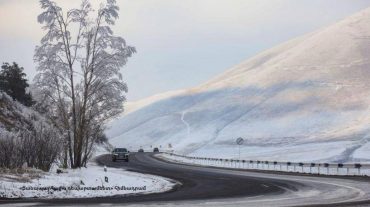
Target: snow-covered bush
26, 137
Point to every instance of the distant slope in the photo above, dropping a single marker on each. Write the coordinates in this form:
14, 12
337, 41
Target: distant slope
306, 99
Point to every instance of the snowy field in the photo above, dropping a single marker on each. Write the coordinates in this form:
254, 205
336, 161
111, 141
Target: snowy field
79, 183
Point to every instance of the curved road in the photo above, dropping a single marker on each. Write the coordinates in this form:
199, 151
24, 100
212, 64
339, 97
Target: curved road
197, 182
205, 186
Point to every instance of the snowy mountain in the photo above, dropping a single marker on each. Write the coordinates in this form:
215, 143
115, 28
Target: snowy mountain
307, 99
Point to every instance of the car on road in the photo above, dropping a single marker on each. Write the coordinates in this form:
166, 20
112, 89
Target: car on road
140, 150
120, 154
156, 149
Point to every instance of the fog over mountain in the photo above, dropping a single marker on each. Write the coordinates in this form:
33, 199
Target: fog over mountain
307, 99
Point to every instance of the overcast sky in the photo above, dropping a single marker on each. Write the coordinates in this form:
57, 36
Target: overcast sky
182, 43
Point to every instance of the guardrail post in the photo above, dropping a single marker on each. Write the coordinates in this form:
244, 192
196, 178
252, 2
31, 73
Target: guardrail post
358, 166
301, 164
287, 165
327, 168
311, 165
340, 165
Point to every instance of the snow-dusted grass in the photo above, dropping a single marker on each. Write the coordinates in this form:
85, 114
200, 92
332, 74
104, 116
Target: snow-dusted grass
332, 169
79, 183
309, 152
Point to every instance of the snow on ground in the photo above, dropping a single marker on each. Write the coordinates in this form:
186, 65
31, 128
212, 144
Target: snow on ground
306, 99
85, 182
310, 152
319, 168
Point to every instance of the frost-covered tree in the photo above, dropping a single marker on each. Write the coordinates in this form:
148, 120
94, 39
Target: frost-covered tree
79, 61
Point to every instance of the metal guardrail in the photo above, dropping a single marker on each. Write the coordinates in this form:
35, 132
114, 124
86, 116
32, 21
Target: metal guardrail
356, 169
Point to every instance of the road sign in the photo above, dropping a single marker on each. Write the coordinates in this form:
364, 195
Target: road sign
239, 141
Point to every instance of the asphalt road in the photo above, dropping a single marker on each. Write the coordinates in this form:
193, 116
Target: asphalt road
197, 182
202, 186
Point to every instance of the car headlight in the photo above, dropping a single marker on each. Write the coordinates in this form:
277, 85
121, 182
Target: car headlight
115, 154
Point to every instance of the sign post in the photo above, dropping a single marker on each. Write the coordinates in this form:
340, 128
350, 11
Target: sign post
239, 141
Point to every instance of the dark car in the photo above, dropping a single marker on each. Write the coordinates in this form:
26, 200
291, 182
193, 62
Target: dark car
120, 154
156, 149
140, 150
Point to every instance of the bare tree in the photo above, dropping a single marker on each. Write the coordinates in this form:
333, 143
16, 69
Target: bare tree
79, 61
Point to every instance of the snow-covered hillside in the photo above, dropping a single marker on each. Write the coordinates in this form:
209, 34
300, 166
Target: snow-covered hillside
15, 117
307, 99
